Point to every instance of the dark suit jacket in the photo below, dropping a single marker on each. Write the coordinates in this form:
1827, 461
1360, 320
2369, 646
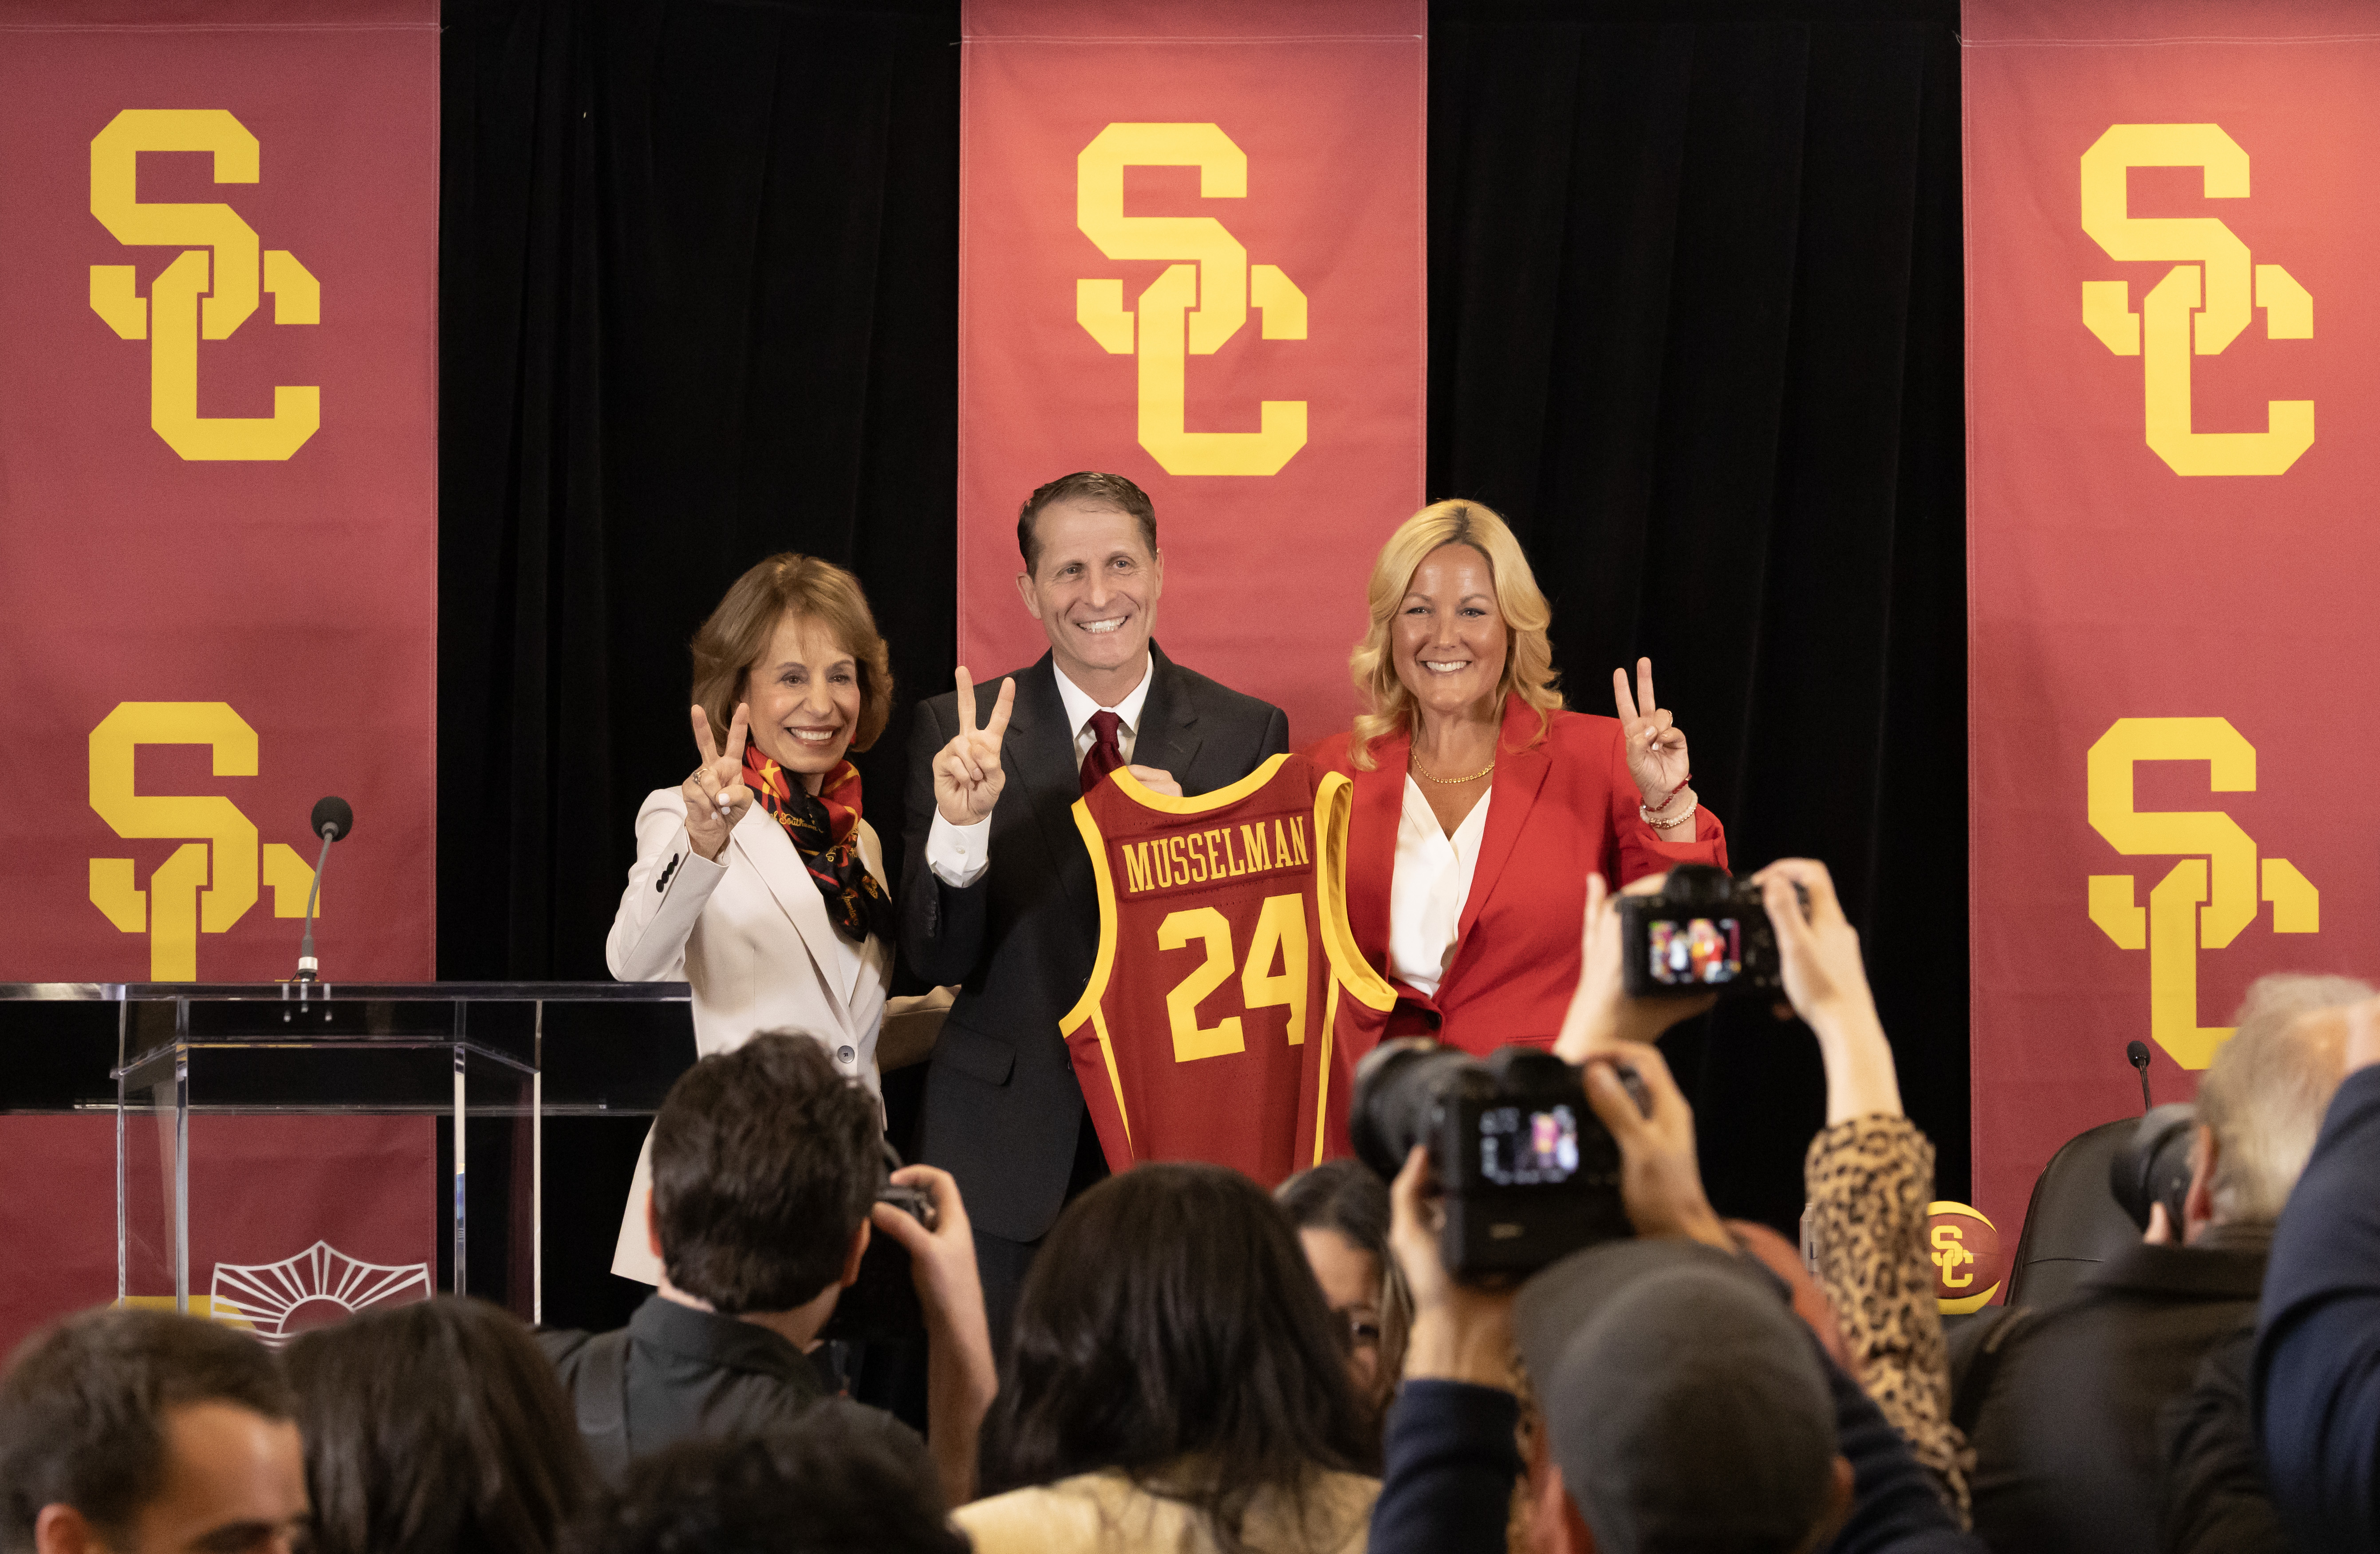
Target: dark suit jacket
1001, 1104
2067, 1451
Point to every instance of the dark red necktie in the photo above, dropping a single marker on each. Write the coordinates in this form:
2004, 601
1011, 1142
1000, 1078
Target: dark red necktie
1105, 754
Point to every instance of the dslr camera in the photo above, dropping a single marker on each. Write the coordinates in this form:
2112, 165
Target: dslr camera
1706, 932
2153, 1166
1529, 1172
881, 1304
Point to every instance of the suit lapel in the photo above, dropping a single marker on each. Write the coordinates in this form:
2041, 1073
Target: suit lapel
1520, 775
1372, 844
774, 857
1168, 737
1039, 751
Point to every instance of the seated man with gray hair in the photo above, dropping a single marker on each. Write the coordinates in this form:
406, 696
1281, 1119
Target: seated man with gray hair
2064, 1400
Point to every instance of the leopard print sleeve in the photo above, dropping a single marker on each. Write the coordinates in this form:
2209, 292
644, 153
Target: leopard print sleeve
1869, 1181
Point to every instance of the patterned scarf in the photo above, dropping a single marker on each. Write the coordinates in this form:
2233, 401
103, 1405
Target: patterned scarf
824, 830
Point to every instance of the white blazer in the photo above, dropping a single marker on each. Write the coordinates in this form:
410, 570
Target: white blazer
751, 935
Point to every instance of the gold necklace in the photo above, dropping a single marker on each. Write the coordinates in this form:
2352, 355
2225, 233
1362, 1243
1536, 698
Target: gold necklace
1429, 776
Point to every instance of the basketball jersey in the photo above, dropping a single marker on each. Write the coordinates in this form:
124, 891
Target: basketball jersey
1227, 1006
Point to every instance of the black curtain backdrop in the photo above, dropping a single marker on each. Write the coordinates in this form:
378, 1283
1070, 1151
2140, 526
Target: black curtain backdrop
1694, 301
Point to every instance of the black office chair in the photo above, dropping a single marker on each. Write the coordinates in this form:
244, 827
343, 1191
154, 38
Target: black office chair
2074, 1223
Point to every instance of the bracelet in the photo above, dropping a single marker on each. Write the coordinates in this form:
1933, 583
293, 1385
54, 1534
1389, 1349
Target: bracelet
1652, 819
1674, 792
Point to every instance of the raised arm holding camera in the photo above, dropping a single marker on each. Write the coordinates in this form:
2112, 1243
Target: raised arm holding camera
1683, 1405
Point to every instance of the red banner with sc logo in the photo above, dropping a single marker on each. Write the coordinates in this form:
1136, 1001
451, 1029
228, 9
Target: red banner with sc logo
1191, 253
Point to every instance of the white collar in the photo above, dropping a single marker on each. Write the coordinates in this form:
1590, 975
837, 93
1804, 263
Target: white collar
1079, 705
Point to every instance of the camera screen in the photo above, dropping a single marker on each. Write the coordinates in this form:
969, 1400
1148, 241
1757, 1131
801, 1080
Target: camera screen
1528, 1149
1698, 952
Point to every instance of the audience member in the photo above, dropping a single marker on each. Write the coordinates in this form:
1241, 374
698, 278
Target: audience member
432, 1427
125, 1431
766, 1167
1642, 1355
1341, 1212
808, 1488
2064, 1400
2316, 1373
1174, 1384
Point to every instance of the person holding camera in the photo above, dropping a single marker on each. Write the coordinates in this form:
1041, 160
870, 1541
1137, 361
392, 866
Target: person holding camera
2065, 1401
768, 1171
1480, 804
1683, 1407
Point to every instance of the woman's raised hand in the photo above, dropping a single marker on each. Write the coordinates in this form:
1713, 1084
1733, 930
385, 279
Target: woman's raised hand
967, 777
715, 795
1656, 747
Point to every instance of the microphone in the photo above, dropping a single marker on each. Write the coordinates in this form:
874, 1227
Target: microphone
2138, 1055
333, 819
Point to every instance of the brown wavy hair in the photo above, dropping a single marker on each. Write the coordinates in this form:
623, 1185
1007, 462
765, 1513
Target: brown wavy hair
1528, 653
739, 631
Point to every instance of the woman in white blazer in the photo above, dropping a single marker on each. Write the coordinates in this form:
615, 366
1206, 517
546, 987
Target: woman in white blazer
757, 880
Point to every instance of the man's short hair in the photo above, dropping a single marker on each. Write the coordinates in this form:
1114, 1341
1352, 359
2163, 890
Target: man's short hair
816, 1486
82, 1411
765, 1161
2266, 1090
1083, 485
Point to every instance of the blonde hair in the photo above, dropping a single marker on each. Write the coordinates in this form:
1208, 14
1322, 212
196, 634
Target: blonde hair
739, 629
1528, 655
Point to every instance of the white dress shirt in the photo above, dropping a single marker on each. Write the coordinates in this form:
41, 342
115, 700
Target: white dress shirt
1431, 883
959, 855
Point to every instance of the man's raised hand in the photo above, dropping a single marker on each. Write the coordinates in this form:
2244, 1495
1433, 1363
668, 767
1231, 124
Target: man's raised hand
716, 794
967, 777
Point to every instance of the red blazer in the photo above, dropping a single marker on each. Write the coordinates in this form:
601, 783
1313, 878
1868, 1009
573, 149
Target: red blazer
1516, 960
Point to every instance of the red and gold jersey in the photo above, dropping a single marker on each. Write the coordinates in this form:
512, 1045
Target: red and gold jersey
1227, 1007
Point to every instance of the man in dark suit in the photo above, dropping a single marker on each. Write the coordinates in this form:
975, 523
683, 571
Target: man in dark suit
997, 894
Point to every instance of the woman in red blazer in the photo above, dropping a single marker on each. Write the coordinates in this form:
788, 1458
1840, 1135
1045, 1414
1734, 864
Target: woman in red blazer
1480, 804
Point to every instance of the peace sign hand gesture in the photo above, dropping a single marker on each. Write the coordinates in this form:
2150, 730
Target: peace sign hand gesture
967, 777
1656, 747
715, 795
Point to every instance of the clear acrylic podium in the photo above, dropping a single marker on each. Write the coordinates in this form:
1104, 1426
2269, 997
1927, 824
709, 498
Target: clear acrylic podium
490, 1061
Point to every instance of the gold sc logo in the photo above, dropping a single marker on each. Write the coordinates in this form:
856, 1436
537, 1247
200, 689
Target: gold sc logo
1193, 306
220, 259
2203, 303
208, 883
2184, 914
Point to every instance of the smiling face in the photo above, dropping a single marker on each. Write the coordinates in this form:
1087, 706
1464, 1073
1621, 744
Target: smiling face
1449, 640
1094, 587
803, 693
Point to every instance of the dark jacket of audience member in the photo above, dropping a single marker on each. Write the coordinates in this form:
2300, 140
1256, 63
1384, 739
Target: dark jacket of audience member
435, 1427
1173, 1354
99, 1415
2316, 1376
811, 1487
2216, 1497
766, 1162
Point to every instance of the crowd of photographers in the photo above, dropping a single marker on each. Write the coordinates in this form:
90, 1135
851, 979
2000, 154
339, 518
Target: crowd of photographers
1195, 1365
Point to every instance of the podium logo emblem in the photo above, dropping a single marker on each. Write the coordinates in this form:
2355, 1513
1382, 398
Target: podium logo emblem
220, 260
314, 1289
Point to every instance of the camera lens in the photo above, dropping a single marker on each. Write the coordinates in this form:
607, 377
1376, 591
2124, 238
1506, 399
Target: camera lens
1398, 1086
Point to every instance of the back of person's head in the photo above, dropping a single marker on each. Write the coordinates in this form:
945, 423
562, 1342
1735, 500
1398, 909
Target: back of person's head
2264, 1094
1685, 1405
1171, 1327
814, 1487
765, 1162
1347, 1199
432, 1426
84, 1412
